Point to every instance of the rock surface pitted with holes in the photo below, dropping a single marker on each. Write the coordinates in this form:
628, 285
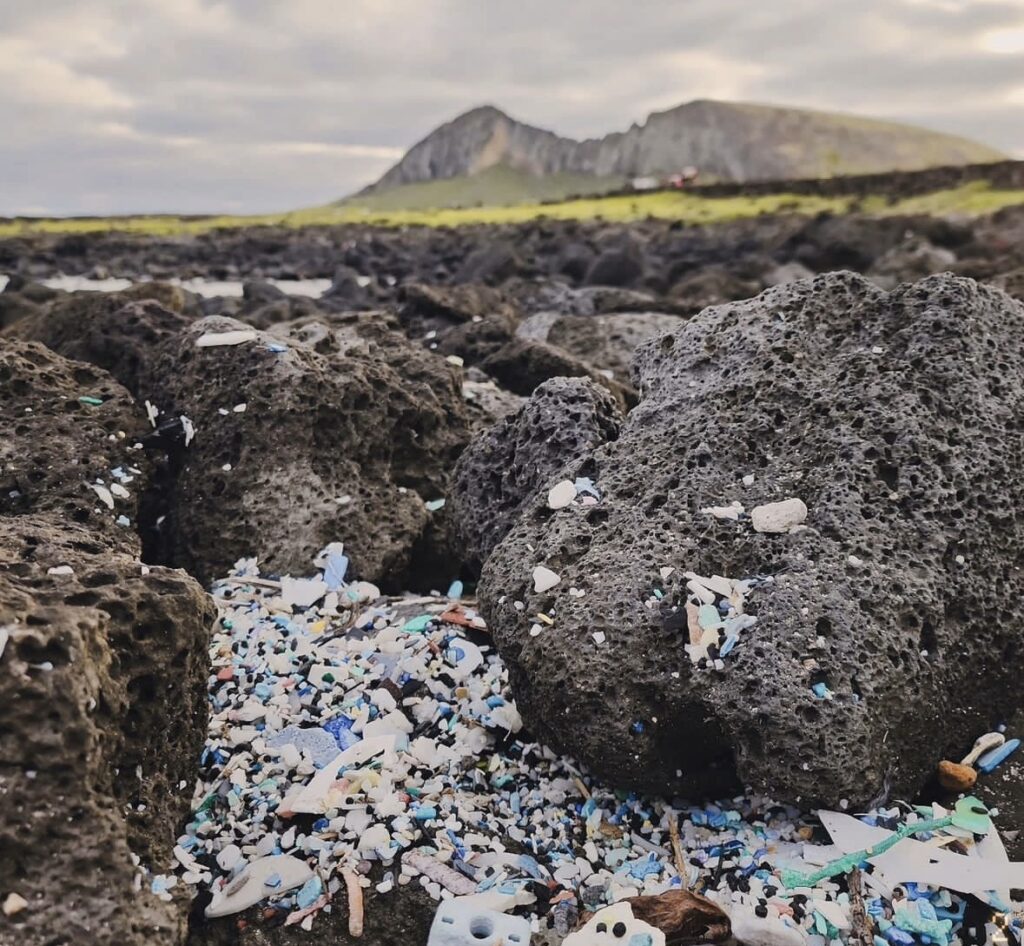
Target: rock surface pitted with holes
66, 426
103, 684
347, 432
505, 467
898, 418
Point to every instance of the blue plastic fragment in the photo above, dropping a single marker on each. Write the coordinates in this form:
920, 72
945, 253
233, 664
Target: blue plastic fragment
642, 869
995, 757
277, 348
309, 892
334, 570
455, 590
273, 881
341, 728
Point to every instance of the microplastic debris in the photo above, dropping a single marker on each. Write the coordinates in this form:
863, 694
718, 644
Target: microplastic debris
982, 745
103, 493
544, 579
463, 922
778, 517
733, 511
433, 505
13, 904
60, 570
995, 757
561, 494
250, 886
218, 339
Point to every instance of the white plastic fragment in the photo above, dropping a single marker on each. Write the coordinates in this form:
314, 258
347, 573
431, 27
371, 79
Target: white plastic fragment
982, 744
619, 917
440, 873
914, 861
103, 493
778, 517
752, 930
13, 904
544, 579
220, 339
464, 922
561, 494
302, 592
733, 511
250, 886
60, 570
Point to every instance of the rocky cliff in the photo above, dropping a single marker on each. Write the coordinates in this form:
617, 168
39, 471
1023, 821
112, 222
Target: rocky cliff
726, 141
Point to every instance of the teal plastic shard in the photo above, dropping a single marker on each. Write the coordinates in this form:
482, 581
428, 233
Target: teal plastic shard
846, 863
970, 814
911, 916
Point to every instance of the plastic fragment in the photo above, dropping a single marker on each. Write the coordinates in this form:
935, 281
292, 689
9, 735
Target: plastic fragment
778, 517
544, 579
995, 757
982, 745
250, 887
562, 494
219, 339
463, 921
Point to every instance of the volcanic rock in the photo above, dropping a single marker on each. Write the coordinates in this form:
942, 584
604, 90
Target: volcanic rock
507, 466
887, 635
105, 330
524, 363
345, 433
68, 442
103, 681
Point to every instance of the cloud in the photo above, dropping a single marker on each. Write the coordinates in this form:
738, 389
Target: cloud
252, 105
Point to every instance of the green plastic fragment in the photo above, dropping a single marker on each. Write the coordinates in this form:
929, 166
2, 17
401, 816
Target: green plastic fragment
90, 400
910, 919
842, 865
970, 814
417, 625
708, 616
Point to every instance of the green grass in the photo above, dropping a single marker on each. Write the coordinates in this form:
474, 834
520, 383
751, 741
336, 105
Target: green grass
498, 186
971, 199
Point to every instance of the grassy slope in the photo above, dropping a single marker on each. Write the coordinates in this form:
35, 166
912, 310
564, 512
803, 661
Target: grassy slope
497, 186
975, 198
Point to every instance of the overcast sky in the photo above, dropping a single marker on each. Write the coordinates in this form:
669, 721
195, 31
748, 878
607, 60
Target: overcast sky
114, 106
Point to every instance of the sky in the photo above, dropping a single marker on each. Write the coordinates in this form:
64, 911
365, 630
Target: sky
250, 106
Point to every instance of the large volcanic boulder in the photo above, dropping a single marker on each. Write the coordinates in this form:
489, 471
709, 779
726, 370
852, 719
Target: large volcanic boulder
103, 670
887, 627
523, 364
105, 330
605, 341
331, 433
69, 442
504, 467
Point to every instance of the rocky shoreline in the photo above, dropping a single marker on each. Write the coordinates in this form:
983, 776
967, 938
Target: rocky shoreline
596, 423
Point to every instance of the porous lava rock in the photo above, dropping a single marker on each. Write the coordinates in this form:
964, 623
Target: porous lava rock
522, 364
896, 418
510, 464
66, 428
103, 681
346, 431
104, 330
608, 341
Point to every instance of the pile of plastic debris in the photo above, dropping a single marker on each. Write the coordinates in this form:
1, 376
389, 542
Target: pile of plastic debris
358, 741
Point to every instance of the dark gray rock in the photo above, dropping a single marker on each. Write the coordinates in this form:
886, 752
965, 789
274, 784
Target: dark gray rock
348, 410
54, 446
261, 291
512, 463
608, 341
492, 264
103, 683
896, 419
524, 363
913, 259
616, 266
104, 330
